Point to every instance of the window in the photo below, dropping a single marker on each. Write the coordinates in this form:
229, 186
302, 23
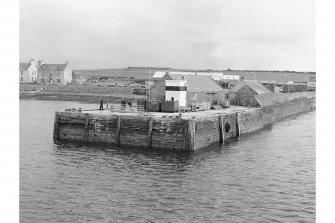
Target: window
50, 74
58, 80
21, 72
21, 79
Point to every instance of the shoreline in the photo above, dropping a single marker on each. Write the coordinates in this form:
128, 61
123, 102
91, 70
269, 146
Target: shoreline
80, 97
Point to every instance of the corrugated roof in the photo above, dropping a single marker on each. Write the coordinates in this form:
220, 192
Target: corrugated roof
52, 67
253, 84
24, 66
196, 83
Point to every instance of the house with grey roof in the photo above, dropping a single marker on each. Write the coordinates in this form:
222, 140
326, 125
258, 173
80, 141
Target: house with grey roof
28, 72
197, 89
244, 93
54, 73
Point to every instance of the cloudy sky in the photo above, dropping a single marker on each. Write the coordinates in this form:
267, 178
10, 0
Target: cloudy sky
199, 34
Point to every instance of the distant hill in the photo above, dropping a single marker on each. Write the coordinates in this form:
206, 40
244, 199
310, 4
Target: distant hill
147, 73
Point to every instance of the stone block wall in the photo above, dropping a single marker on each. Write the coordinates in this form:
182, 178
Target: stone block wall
167, 134
206, 132
134, 131
102, 129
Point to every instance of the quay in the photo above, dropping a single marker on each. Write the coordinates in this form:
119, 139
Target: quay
176, 131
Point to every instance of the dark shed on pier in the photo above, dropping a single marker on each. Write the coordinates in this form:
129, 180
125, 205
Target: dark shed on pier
244, 93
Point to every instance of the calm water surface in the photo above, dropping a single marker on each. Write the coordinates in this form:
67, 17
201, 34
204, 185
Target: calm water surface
266, 176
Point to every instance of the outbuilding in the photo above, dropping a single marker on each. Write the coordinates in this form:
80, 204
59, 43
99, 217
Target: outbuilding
245, 91
189, 90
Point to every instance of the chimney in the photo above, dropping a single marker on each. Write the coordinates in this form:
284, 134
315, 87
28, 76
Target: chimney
40, 63
31, 61
67, 62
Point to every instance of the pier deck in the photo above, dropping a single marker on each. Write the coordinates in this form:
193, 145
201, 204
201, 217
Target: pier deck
186, 115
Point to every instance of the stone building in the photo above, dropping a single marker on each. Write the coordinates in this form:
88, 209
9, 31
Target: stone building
54, 73
199, 89
244, 93
28, 72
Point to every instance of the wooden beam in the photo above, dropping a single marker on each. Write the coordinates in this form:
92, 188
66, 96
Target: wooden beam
118, 128
221, 130
86, 127
191, 134
185, 134
150, 133
56, 128
238, 124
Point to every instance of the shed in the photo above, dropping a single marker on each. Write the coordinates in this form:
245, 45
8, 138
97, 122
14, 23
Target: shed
199, 89
244, 93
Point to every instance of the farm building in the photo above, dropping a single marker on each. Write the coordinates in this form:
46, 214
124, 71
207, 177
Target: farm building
271, 85
28, 72
293, 87
189, 90
217, 76
54, 73
244, 93
77, 78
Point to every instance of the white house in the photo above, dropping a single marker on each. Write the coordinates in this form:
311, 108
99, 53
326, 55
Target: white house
54, 73
28, 72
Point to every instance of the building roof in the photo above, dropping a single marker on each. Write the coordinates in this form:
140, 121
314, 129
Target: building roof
196, 83
52, 67
159, 74
24, 66
231, 77
255, 85
214, 75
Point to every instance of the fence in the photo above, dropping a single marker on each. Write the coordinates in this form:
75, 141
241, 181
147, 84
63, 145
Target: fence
126, 108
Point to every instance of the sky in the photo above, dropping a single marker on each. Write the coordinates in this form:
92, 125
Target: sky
192, 34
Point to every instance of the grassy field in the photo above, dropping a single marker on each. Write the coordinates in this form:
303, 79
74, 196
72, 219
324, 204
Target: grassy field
90, 93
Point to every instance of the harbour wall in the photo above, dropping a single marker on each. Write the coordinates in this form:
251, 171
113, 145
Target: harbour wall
175, 133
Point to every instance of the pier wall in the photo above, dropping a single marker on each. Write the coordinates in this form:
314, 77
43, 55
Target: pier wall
209, 130
130, 131
171, 132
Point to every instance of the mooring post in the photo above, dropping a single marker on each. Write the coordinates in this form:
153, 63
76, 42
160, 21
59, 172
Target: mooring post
56, 127
118, 128
191, 134
237, 124
150, 133
221, 129
188, 134
185, 135
86, 127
